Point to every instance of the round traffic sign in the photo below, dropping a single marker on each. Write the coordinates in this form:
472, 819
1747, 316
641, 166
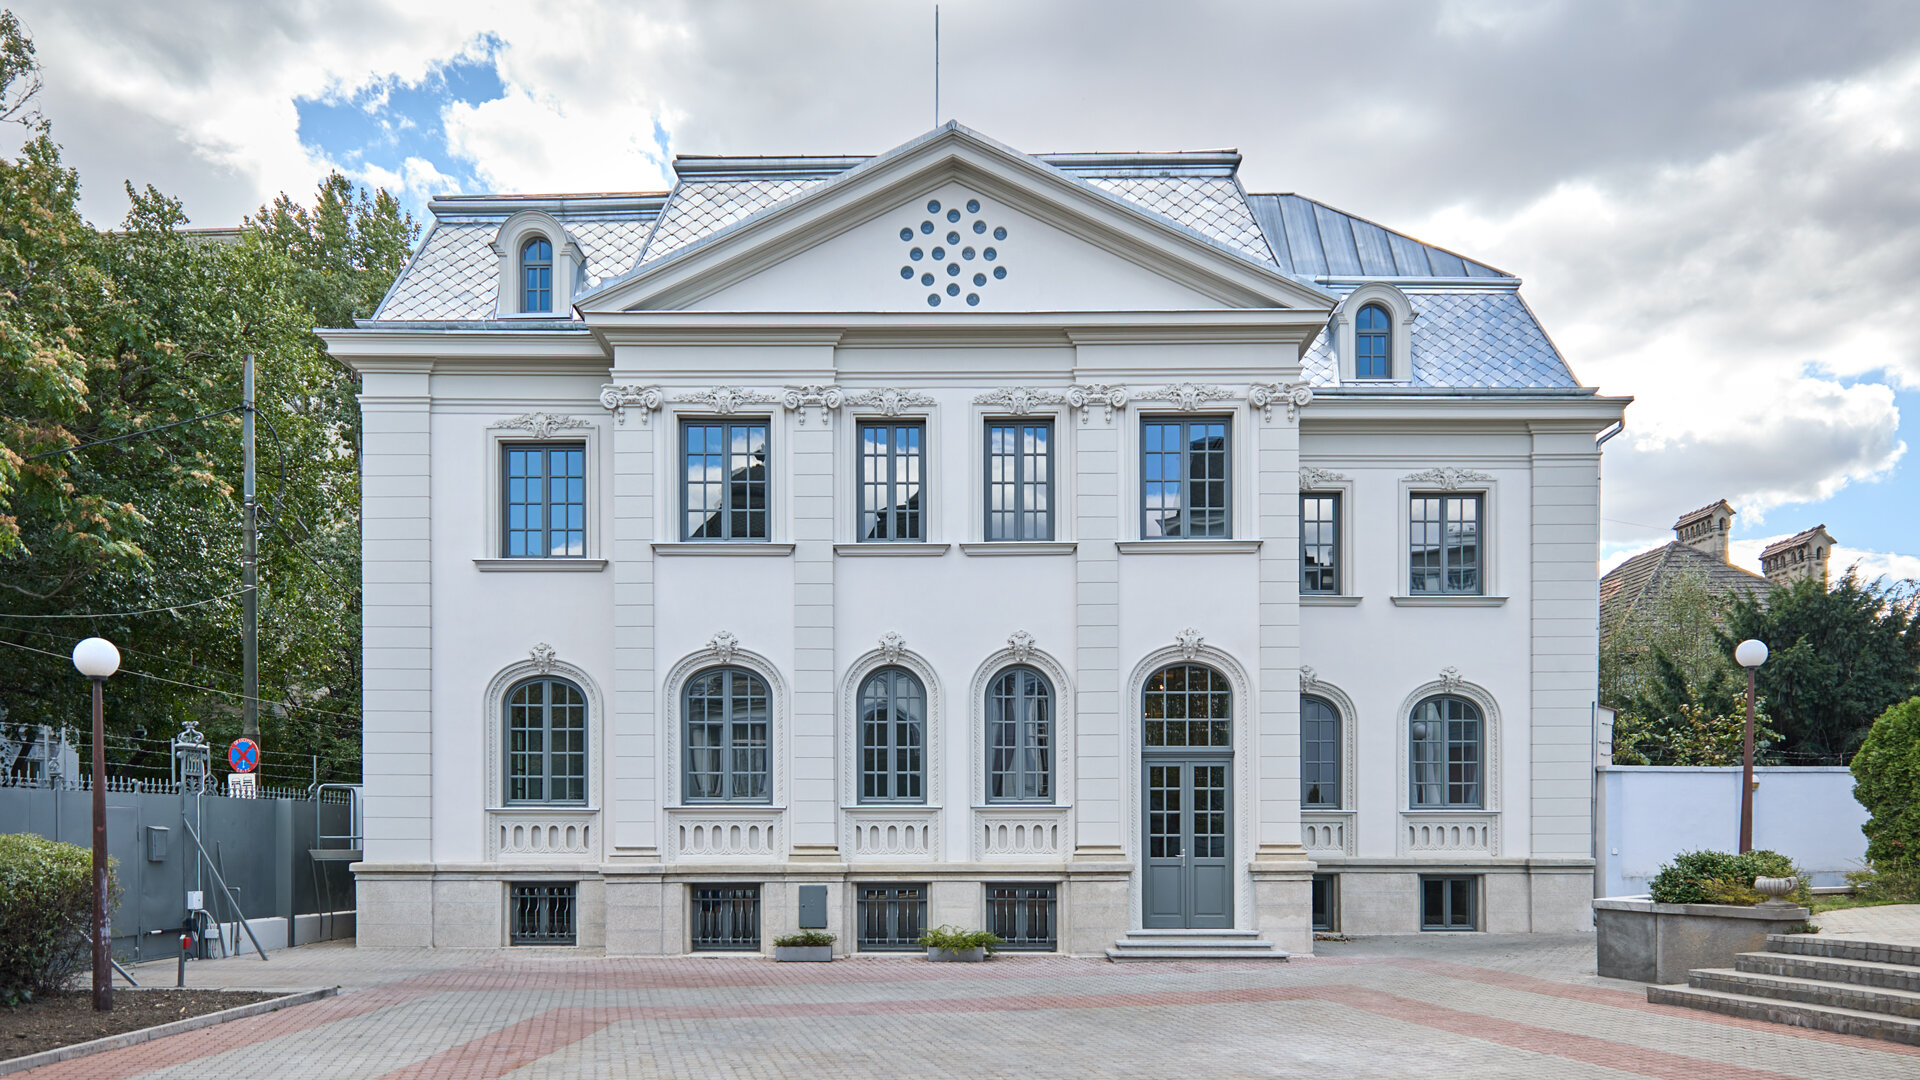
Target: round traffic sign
243, 755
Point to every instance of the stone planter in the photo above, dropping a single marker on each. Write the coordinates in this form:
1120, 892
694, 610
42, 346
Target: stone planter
958, 956
1660, 943
803, 954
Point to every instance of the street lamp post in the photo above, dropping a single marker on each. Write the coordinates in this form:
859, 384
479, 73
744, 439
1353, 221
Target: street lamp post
96, 658
1750, 654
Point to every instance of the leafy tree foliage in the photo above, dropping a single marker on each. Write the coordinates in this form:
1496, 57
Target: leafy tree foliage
1886, 775
1838, 657
108, 334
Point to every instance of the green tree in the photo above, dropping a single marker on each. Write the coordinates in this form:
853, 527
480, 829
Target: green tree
1886, 775
1838, 658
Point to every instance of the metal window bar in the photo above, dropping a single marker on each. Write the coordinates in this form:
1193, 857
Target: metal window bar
891, 474
1448, 903
1019, 480
1184, 473
1025, 916
724, 476
542, 914
726, 918
1320, 543
891, 917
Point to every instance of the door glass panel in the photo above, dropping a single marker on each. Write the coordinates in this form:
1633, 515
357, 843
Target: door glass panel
1163, 812
1210, 811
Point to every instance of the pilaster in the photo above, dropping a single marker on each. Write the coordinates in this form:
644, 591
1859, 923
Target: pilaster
635, 784
814, 810
1098, 828
1277, 772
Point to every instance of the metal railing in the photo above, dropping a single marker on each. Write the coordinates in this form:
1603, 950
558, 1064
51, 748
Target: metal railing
1024, 916
542, 914
726, 918
891, 917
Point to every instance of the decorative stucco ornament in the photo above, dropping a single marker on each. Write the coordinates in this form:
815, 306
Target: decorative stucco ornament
1311, 478
724, 646
621, 397
726, 399
542, 425
1187, 397
812, 396
1309, 678
1020, 643
1189, 642
891, 401
1448, 478
1264, 396
1020, 400
543, 655
1450, 677
892, 646
1105, 395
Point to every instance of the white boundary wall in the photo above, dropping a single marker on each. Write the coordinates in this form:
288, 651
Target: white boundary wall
1649, 813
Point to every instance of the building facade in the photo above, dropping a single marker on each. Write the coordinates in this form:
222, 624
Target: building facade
1075, 546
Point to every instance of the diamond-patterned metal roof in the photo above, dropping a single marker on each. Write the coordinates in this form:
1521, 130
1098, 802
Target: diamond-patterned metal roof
1466, 340
700, 208
1209, 205
456, 275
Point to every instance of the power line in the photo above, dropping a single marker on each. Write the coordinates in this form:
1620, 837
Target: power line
191, 686
130, 434
120, 614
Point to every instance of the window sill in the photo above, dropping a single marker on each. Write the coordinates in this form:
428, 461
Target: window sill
1188, 547
1449, 601
896, 548
1020, 547
723, 547
1328, 600
577, 566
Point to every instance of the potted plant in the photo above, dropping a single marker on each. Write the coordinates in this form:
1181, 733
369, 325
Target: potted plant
808, 946
950, 944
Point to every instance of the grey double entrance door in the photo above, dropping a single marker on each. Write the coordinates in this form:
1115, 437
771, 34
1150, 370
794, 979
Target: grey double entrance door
1188, 872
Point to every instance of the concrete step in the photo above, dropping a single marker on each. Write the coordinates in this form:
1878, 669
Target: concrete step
1826, 969
1797, 1014
1835, 948
1901, 1003
1193, 945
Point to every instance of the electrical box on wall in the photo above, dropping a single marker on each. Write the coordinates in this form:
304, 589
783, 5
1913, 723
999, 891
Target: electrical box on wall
813, 907
156, 843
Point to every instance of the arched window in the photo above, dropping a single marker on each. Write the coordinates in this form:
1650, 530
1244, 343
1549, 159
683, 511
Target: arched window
1188, 705
1319, 754
1020, 737
727, 736
1372, 355
536, 275
1445, 753
893, 737
546, 742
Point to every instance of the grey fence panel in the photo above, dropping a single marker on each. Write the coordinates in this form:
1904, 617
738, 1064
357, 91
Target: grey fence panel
260, 847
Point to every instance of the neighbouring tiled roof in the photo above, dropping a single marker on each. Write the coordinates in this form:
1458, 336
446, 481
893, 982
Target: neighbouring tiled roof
1648, 573
1467, 339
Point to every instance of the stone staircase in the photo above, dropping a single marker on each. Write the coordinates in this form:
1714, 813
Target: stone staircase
1193, 945
1838, 984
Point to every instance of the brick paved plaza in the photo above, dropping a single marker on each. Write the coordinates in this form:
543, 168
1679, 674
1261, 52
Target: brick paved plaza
1432, 1006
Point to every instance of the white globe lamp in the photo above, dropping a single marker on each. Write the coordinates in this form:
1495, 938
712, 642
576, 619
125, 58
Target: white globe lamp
96, 658
1750, 653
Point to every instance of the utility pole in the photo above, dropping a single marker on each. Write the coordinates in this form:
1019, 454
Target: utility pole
249, 571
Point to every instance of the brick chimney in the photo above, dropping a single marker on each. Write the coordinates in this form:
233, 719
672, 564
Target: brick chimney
1707, 530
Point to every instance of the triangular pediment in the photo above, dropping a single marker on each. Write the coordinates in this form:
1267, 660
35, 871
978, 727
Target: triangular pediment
952, 223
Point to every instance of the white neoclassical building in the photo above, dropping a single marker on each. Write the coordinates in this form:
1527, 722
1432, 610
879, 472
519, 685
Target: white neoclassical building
1073, 545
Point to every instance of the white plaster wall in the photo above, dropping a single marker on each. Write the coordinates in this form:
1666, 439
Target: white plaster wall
1653, 813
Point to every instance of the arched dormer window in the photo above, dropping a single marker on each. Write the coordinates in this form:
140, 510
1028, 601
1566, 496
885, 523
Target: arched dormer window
1373, 344
536, 275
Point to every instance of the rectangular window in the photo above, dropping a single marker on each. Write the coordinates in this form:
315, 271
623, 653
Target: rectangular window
1448, 903
1444, 545
542, 913
725, 471
1019, 480
726, 918
1025, 916
546, 501
1325, 916
891, 917
1184, 479
1319, 543
892, 471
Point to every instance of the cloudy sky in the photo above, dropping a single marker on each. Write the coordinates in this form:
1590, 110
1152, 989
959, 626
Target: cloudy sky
1716, 206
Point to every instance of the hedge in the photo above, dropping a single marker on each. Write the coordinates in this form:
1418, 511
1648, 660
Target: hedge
47, 888
1886, 780
1717, 877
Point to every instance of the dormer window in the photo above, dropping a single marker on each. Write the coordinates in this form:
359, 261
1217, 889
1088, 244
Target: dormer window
536, 275
1372, 344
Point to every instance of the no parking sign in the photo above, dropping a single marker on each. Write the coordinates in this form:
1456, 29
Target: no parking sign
243, 755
